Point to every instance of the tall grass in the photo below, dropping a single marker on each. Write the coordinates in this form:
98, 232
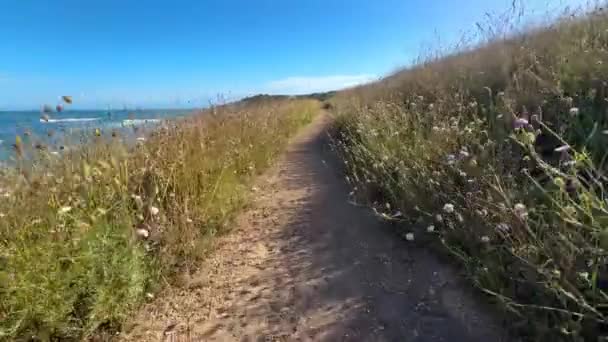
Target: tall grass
498, 154
87, 235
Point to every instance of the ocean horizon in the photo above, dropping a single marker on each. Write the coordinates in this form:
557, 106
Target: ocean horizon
50, 128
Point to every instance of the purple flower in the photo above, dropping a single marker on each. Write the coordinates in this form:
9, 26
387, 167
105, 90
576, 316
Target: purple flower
520, 123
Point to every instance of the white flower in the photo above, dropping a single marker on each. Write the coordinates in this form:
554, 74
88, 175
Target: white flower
430, 228
189, 220
574, 111
448, 208
142, 233
464, 154
584, 275
451, 159
64, 210
154, 210
503, 227
436, 129
409, 236
150, 295
439, 218
485, 239
141, 139
520, 123
520, 211
138, 201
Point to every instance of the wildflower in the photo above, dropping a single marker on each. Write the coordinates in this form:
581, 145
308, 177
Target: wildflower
556, 273
430, 228
448, 208
574, 111
142, 233
562, 148
462, 174
409, 236
464, 154
138, 200
520, 123
451, 159
64, 210
436, 129
141, 139
154, 211
483, 212
584, 275
431, 106
439, 218
520, 211
189, 220
149, 295
485, 239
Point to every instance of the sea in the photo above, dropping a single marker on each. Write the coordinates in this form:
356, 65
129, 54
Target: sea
50, 129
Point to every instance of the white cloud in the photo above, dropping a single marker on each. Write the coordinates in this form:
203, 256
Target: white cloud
312, 84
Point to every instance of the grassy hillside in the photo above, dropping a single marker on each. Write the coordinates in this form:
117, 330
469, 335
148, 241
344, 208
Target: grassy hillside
87, 236
498, 154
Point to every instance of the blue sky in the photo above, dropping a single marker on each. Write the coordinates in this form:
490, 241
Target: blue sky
187, 52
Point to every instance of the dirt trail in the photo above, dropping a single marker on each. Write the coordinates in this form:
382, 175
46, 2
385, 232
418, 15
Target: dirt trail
305, 265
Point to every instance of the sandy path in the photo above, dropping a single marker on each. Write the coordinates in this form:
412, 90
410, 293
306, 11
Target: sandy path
305, 265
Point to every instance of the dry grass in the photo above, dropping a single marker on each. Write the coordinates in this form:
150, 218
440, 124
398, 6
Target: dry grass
498, 153
85, 236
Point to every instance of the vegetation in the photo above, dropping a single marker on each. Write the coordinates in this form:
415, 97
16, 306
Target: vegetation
87, 235
498, 152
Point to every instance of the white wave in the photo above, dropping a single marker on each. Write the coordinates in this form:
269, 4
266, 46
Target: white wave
69, 120
139, 122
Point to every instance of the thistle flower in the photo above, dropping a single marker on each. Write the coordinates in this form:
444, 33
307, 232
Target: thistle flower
520, 123
64, 210
142, 233
138, 201
520, 211
503, 227
448, 208
451, 159
574, 111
